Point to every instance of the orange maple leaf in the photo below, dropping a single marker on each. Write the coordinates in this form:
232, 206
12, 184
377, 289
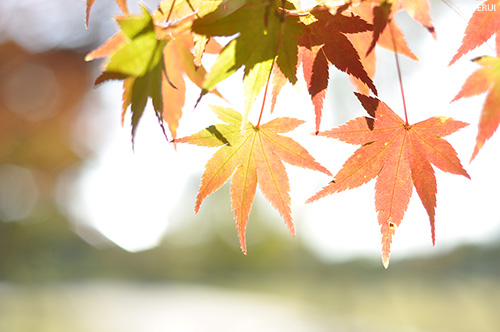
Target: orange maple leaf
391, 38
179, 61
121, 3
419, 10
172, 11
400, 156
386, 32
485, 21
256, 156
485, 79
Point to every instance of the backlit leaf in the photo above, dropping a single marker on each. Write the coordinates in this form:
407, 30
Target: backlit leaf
121, 3
485, 79
399, 155
325, 43
256, 157
151, 67
262, 33
482, 25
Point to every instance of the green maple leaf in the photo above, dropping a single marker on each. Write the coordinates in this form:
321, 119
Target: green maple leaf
137, 58
263, 34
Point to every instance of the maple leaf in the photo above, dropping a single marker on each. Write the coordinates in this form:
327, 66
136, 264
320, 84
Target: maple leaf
151, 67
400, 156
263, 36
381, 17
255, 157
485, 79
136, 56
108, 48
324, 43
386, 32
481, 26
419, 10
384, 11
279, 80
121, 3
359, 41
171, 10
179, 61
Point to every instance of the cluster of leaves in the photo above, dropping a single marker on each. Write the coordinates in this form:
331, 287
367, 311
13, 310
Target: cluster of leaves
272, 40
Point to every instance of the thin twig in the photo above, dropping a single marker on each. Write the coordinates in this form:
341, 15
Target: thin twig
399, 73
272, 65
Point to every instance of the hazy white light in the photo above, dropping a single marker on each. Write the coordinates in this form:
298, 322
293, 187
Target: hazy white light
128, 196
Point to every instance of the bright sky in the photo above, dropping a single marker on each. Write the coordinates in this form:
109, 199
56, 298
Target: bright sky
129, 195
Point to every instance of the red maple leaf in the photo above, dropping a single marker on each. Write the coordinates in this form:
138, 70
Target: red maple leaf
324, 43
256, 156
391, 38
400, 156
386, 33
485, 21
485, 79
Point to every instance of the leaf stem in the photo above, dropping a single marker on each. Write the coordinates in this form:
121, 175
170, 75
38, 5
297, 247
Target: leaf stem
274, 62
399, 73
265, 95
170, 11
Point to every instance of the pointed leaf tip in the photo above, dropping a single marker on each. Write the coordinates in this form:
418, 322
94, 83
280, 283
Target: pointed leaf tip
480, 27
385, 262
243, 247
433, 232
400, 157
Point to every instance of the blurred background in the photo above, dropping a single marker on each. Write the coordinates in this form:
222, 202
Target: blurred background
95, 237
